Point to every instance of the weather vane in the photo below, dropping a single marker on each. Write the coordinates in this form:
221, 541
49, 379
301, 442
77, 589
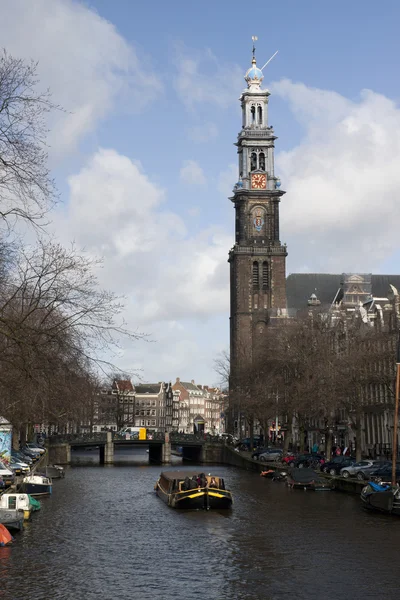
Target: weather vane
254, 38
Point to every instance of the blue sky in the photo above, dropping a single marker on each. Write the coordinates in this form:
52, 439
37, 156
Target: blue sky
145, 161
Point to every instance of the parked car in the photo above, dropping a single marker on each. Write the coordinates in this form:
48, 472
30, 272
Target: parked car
31, 453
384, 474
352, 470
35, 447
271, 454
258, 451
289, 459
334, 466
6, 475
22, 457
18, 467
245, 443
313, 461
366, 472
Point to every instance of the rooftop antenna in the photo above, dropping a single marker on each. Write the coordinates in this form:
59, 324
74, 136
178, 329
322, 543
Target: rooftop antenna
268, 61
254, 38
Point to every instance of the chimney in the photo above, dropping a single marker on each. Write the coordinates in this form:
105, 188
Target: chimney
192, 381
178, 380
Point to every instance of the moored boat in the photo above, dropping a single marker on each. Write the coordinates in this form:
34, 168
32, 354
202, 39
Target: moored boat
307, 479
186, 489
381, 497
12, 519
36, 485
55, 471
5, 536
22, 502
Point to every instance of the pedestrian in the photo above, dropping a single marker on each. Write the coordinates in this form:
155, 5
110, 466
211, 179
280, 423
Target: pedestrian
338, 451
315, 448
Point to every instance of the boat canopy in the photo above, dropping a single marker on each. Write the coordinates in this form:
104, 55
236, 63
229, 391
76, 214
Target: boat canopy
304, 475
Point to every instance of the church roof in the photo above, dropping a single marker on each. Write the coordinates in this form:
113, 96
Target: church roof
299, 286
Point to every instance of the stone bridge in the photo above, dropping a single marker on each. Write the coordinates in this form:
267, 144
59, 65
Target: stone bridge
196, 448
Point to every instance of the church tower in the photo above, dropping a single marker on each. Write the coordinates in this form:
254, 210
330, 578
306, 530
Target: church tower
257, 260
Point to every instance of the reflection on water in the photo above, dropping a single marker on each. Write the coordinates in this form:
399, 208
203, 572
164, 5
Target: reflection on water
104, 534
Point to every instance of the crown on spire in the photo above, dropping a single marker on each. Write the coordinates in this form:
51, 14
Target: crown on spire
254, 75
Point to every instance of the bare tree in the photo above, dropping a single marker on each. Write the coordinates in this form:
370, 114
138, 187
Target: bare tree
27, 190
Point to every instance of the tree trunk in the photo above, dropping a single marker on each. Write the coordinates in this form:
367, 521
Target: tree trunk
288, 434
328, 444
358, 436
251, 429
301, 440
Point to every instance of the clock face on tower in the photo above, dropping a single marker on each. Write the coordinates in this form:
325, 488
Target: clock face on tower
258, 181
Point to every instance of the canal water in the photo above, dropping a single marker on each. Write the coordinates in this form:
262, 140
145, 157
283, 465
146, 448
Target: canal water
105, 535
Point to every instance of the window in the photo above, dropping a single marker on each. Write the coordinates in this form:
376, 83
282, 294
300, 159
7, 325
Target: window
153, 413
148, 413
253, 161
261, 161
253, 114
265, 276
153, 422
259, 111
255, 275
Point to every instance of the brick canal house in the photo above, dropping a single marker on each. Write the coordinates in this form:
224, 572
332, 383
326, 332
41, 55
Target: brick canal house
201, 408
144, 405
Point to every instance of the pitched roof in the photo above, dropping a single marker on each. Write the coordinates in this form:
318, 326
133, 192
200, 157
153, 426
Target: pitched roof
148, 388
189, 386
123, 385
299, 287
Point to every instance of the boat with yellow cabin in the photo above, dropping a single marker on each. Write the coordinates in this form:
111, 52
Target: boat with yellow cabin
187, 489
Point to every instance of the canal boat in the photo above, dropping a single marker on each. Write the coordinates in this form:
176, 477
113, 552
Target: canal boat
307, 479
23, 502
381, 497
36, 485
12, 519
187, 489
54, 471
5, 536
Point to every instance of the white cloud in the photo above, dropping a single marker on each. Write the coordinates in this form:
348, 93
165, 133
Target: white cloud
82, 58
172, 280
227, 179
341, 211
116, 211
203, 133
192, 173
201, 78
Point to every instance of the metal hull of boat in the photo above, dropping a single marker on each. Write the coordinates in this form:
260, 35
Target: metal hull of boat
36, 489
13, 520
196, 499
381, 502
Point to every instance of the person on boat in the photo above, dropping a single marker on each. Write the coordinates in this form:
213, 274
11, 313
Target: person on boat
213, 483
203, 480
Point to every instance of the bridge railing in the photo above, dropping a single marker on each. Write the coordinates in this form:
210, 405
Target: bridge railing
100, 437
76, 438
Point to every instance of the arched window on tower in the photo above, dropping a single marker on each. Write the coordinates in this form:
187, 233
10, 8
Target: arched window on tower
259, 110
265, 276
253, 114
261, 161
256, 277
253, 161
